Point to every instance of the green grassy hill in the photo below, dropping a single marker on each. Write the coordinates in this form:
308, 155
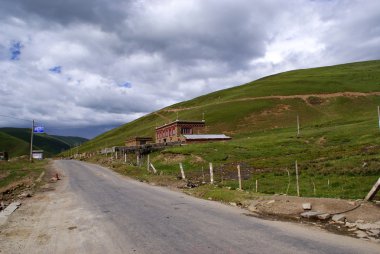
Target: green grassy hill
17, 141
338, 145
71, 141
14, 146
272, 103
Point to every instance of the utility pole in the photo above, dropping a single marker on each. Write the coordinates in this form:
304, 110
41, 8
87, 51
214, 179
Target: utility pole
31, 142
378, 114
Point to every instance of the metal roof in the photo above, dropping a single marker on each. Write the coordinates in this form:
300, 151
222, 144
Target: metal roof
207, 136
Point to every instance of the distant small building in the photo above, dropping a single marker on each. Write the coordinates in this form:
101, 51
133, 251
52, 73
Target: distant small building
4, 156
38, 154
138, 141
205, 138
174, 131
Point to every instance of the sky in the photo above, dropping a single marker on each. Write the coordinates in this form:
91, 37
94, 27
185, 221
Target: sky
84, 67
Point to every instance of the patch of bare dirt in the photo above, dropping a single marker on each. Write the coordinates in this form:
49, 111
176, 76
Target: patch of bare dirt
304, 97
197, 159
279, 109
314, 100
321, 141
26, 188
171, 158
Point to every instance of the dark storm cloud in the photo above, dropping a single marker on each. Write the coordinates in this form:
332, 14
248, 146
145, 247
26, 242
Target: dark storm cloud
105, 13
231, 32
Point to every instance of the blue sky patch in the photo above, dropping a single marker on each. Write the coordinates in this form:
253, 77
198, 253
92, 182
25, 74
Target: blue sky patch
56, 69
127, 85
15, 50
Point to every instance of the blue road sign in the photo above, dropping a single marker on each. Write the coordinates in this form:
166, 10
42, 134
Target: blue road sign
38, 129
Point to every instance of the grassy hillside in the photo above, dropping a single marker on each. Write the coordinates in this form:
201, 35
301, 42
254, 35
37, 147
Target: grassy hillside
271, 103
17, 141
71, 141
14, 146
337, 149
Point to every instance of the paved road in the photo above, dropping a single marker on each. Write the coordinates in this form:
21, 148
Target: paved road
118, 215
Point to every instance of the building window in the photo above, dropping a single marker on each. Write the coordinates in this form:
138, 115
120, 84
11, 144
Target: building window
186, 131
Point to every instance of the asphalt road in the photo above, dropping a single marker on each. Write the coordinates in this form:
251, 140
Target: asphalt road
132, 217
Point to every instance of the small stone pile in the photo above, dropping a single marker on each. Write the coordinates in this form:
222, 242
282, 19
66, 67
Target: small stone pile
359, 228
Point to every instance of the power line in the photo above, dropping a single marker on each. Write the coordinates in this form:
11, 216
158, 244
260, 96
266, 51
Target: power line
16, 118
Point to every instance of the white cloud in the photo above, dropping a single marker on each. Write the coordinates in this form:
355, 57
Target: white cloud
167, 50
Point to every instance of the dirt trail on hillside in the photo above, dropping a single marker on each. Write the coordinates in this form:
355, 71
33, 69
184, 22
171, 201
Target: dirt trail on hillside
162, 116
282, 97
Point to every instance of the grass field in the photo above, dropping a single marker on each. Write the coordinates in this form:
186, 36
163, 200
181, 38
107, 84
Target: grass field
20, 172
337, 149
16, 141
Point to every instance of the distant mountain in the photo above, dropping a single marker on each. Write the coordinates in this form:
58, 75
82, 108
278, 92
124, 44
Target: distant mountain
72, 141
17, 141
14, 146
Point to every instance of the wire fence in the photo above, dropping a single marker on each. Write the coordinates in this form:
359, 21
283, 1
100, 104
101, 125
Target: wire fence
252, 179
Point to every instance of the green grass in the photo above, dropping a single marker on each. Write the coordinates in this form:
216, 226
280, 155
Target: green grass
224, 114
16, 141
21, 170
13, 145
339, 141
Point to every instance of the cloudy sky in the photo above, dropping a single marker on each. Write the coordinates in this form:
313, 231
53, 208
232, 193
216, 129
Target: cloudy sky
83, 67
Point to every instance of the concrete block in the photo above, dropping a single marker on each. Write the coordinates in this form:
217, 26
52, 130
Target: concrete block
350, 225
306, 206
310, 214
11, 208
339, 217
8, 211
367, 226
374, 232
324, 216
361, 234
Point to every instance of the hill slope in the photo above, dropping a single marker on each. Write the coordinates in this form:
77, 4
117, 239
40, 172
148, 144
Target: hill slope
17, 141
320, 96
13, 145
336, 151
71, 141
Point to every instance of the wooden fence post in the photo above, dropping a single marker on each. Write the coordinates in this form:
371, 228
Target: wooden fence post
154, 169
239, 177
297, 180
211, 174
182, 171
125, 158
148, 163
372, 193
257, 183
287, 189
203, 176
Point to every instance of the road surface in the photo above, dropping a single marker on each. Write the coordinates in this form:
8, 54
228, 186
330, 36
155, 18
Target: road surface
94, 210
